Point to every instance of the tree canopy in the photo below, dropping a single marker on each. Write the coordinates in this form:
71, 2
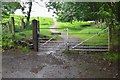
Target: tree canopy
69, 11
107, 12
9, 8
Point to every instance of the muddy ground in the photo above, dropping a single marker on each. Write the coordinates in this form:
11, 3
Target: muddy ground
16, 64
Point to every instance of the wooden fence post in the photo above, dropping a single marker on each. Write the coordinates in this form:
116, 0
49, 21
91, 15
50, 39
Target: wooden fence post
35, 35
13, 26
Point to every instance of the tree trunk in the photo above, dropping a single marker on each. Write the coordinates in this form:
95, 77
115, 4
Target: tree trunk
28, 14
119, 39
113, 38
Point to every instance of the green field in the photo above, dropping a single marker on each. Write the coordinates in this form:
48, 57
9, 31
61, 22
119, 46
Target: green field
84, 30
45, 22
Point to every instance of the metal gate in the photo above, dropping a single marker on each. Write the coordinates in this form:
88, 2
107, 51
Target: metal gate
53, 41
59, 39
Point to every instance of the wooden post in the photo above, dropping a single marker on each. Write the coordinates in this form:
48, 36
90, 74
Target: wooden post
35, 35
23, 24
13, 26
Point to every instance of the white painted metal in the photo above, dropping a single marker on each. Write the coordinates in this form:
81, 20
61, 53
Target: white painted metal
48, 40
89, 38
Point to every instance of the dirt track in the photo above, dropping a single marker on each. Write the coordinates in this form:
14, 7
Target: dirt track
83, 65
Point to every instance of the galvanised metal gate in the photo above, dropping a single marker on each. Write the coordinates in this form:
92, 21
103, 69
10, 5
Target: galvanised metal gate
60, 39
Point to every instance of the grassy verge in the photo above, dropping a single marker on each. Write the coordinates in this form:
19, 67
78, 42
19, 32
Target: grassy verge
111, 57
84, 30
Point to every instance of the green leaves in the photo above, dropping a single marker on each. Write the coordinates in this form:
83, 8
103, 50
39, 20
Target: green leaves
7, 41
8, 9
69, 11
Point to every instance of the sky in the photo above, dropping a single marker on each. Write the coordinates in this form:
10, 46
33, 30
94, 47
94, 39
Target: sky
38, 9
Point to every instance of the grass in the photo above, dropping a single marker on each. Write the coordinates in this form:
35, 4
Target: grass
45, 22
84, 30
111, 56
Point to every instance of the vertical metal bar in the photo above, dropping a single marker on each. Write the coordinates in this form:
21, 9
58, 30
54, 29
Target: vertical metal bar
67, 34
67, 39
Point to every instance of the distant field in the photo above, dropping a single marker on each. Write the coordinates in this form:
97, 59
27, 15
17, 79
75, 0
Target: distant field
83, 30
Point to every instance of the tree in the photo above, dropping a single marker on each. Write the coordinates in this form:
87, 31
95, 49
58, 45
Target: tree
28, 12
8, 9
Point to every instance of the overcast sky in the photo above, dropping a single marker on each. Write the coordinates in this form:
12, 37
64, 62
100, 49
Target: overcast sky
37, 10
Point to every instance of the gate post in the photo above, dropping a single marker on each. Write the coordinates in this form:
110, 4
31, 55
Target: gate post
35, 35
13, 26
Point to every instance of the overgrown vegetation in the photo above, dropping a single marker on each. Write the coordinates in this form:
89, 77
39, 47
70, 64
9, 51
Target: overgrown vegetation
8, 41
111, 56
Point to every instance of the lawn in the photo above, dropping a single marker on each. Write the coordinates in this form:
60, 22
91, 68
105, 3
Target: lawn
85, 30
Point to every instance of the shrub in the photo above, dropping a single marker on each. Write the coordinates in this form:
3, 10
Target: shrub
8, 41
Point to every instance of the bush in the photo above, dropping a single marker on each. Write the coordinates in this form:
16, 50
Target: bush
8, 41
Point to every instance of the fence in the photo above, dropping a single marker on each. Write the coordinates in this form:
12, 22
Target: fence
64, 38
70, 42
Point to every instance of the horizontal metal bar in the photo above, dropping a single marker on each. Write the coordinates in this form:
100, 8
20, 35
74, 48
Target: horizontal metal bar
96, 50
43, 38
83, 33
89, 45
50, 47
74, 42
91, 48
51, 42
52, 28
